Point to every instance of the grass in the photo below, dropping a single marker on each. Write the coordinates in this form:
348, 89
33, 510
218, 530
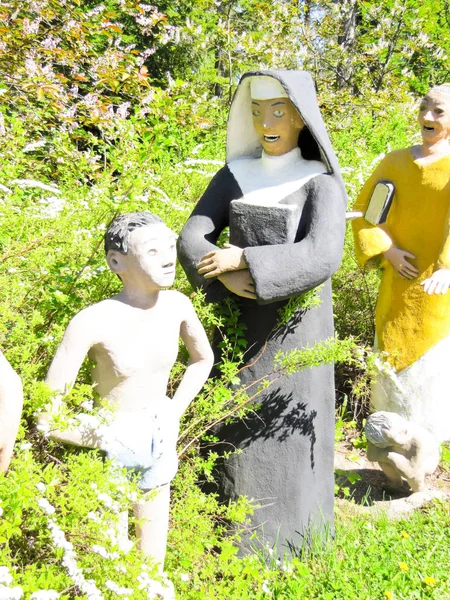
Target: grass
371, 558
445, 457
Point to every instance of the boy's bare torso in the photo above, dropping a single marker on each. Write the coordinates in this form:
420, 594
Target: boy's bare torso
134, 357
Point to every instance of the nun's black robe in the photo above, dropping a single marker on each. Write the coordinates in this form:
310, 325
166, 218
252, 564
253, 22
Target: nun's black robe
286, 463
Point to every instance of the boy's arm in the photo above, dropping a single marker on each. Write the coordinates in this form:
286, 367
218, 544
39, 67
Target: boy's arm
201, 357
61, 376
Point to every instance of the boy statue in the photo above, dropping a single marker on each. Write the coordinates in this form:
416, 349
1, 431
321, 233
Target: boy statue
133, 340
402, 448
11, 402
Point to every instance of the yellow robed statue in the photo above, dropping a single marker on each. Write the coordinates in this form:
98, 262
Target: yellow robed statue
412, 318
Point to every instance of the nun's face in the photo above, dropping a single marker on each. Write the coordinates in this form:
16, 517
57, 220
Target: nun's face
278, 124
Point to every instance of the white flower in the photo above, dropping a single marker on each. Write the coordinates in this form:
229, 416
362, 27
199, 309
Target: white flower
90, 100
5, 576
51, 207
184, 577
45, 595
125, 545
33, 145
71, 24
111, 534
94, 517
25, 446
7, 593
287, 567
30, 27
100, 550
122, 111
87, 404
46, 506
265, 587
44, 428
120, 591
69, 562
164, 591
95, 11
1, 511
41, 486
50, 42
103, 552
106, 499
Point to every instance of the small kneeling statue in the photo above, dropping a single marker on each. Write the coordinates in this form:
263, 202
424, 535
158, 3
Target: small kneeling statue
133, 340
11, 402
402, 448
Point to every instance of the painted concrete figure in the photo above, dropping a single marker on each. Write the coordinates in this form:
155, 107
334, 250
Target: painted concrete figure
133, 340
403, 449
412, 318
11, 403
282, 196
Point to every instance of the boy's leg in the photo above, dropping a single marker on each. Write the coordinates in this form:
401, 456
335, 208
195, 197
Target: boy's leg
152, 512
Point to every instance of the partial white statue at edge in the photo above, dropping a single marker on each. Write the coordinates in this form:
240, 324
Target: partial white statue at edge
402, 448
133, 340
11, 403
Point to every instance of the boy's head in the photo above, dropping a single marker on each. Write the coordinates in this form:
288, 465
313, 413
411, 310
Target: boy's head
141, 249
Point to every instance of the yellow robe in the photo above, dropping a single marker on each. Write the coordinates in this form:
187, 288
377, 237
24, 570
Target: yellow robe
408, 321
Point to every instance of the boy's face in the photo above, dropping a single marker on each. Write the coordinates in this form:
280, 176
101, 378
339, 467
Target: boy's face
151, 256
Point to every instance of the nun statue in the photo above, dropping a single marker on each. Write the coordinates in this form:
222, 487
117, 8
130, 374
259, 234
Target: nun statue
283, 199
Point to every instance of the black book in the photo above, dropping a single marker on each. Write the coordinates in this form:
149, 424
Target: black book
380, 202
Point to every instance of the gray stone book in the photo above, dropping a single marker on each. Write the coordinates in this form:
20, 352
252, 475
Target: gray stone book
249, 223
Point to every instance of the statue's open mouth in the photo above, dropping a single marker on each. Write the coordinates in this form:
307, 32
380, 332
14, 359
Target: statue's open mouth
271, 138
428, 128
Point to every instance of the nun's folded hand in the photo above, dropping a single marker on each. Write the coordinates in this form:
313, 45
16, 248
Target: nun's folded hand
213, 264
240, 283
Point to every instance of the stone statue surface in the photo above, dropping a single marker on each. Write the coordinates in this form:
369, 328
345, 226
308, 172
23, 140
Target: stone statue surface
404, 450
282, 197
132, 338
412, 246
11, 403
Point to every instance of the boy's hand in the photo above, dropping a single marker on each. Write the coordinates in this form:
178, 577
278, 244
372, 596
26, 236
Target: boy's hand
438, 283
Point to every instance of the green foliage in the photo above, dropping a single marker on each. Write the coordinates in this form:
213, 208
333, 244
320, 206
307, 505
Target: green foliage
342, 478
328, 351
307, 301
96, 117
52, 267
64, 64
389, 47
